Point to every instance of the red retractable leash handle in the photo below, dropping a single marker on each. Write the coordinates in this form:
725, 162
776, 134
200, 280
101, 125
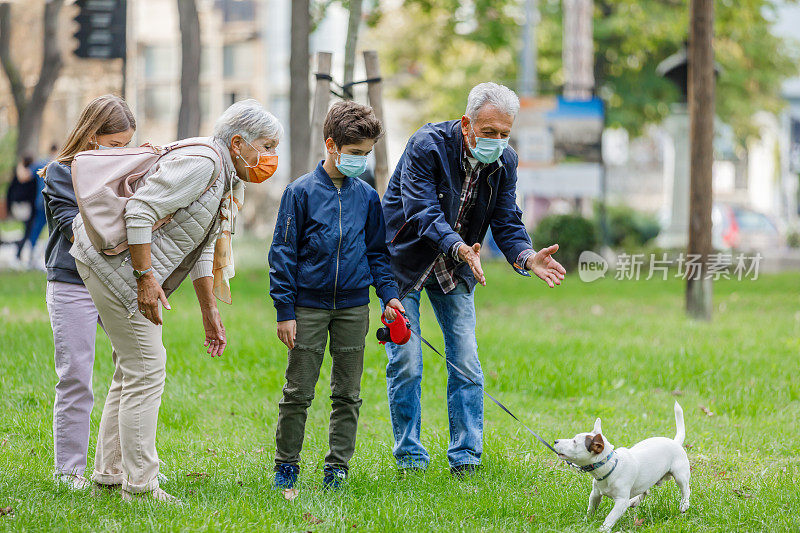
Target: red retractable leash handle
397, 331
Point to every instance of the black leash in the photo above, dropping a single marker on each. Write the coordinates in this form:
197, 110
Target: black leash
495, 400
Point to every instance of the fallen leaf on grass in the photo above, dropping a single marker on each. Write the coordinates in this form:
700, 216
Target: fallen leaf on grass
7, 511
290, 494
259, 450
638, 522
742, 494
211, 451
197, 474
677, 392
706, 410
532, 518
311, 519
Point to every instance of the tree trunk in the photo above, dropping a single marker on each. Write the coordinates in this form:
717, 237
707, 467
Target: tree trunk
30, 110
353, 26
701, 134
299, 124
189, 114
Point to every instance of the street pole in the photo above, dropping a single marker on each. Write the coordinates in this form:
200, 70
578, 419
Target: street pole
528, 76
701, 135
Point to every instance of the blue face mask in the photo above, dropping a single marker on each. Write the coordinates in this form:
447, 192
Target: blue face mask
99, 146
488, 150
352, 166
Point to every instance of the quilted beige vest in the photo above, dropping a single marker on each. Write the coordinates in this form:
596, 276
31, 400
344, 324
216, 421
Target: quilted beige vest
176, 246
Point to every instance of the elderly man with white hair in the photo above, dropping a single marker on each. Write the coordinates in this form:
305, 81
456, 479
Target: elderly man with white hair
197, 189
455, 180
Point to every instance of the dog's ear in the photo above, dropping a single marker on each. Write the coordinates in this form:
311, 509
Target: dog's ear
595, 444
597, 428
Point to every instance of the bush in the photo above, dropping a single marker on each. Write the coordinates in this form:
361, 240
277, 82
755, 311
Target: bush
628, 228
793, 239
573, 233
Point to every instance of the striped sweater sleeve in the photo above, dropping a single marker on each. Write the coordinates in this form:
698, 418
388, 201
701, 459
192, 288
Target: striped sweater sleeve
176, 183
204, 266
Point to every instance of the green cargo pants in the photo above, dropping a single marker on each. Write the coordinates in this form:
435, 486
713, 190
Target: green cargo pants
348, 328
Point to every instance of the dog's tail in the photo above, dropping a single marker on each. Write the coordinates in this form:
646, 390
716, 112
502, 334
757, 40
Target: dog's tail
680, 434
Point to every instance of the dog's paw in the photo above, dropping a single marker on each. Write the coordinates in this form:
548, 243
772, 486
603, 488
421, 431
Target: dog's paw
684, 506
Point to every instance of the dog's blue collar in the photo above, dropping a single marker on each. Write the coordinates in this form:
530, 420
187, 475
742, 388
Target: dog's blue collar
594, 466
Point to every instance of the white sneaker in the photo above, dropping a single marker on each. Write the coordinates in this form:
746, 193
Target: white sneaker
157, 495
73, 481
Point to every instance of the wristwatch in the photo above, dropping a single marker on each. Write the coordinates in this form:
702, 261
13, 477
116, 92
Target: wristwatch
139, 273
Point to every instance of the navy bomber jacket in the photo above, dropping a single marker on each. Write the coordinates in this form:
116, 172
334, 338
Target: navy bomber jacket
329, 246
421, 205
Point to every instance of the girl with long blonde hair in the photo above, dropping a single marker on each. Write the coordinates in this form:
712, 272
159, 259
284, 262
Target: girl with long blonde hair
106, 122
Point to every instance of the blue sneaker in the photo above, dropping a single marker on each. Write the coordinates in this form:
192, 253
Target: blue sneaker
286, 475
333, 476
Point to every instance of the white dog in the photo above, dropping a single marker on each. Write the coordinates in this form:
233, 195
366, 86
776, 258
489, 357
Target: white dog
625, 475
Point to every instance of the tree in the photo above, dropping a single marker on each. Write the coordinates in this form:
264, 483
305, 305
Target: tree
701, 111
438, 49
353, 25
30, 108
299, 119
189, 114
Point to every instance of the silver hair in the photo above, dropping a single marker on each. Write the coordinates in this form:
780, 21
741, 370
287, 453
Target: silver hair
494, 94
249, 119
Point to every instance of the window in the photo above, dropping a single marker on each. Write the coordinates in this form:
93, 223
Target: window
237, 60
159, 103
158, 62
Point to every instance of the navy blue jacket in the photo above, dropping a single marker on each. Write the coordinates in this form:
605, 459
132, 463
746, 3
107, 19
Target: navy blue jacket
60, 209
422, 200
329, 246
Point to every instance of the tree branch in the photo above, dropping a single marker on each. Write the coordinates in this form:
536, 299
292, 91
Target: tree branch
11, 70
52, 60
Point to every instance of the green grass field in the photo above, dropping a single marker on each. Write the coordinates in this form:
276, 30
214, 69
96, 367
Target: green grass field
619, 350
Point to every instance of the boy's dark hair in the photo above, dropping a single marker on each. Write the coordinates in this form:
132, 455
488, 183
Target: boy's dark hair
350, 123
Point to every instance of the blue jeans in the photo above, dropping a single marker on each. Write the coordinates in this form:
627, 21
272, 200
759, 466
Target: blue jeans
455, 313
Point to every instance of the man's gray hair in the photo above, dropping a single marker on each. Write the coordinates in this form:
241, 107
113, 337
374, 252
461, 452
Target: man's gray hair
494, 94
249, 119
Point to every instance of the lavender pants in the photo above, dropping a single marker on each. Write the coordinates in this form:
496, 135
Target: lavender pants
74, 320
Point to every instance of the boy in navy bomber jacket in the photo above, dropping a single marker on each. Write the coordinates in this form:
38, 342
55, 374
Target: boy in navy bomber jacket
329, 246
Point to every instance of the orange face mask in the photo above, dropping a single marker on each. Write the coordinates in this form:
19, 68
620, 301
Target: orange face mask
264, 168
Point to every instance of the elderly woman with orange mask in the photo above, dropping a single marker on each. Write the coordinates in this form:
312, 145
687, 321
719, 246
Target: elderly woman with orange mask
199, 189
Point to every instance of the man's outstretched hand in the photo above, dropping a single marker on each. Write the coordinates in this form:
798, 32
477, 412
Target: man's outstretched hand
544, 266
472, 256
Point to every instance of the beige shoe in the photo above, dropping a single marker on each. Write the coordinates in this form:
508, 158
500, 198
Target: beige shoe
73, 481
101, 489
157, 495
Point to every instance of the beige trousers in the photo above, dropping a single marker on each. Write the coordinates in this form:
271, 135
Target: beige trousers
126, 444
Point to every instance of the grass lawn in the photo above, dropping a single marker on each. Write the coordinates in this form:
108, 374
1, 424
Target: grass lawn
619, 350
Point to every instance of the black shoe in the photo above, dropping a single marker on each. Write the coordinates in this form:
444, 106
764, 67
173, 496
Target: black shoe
461, 471
333, 476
